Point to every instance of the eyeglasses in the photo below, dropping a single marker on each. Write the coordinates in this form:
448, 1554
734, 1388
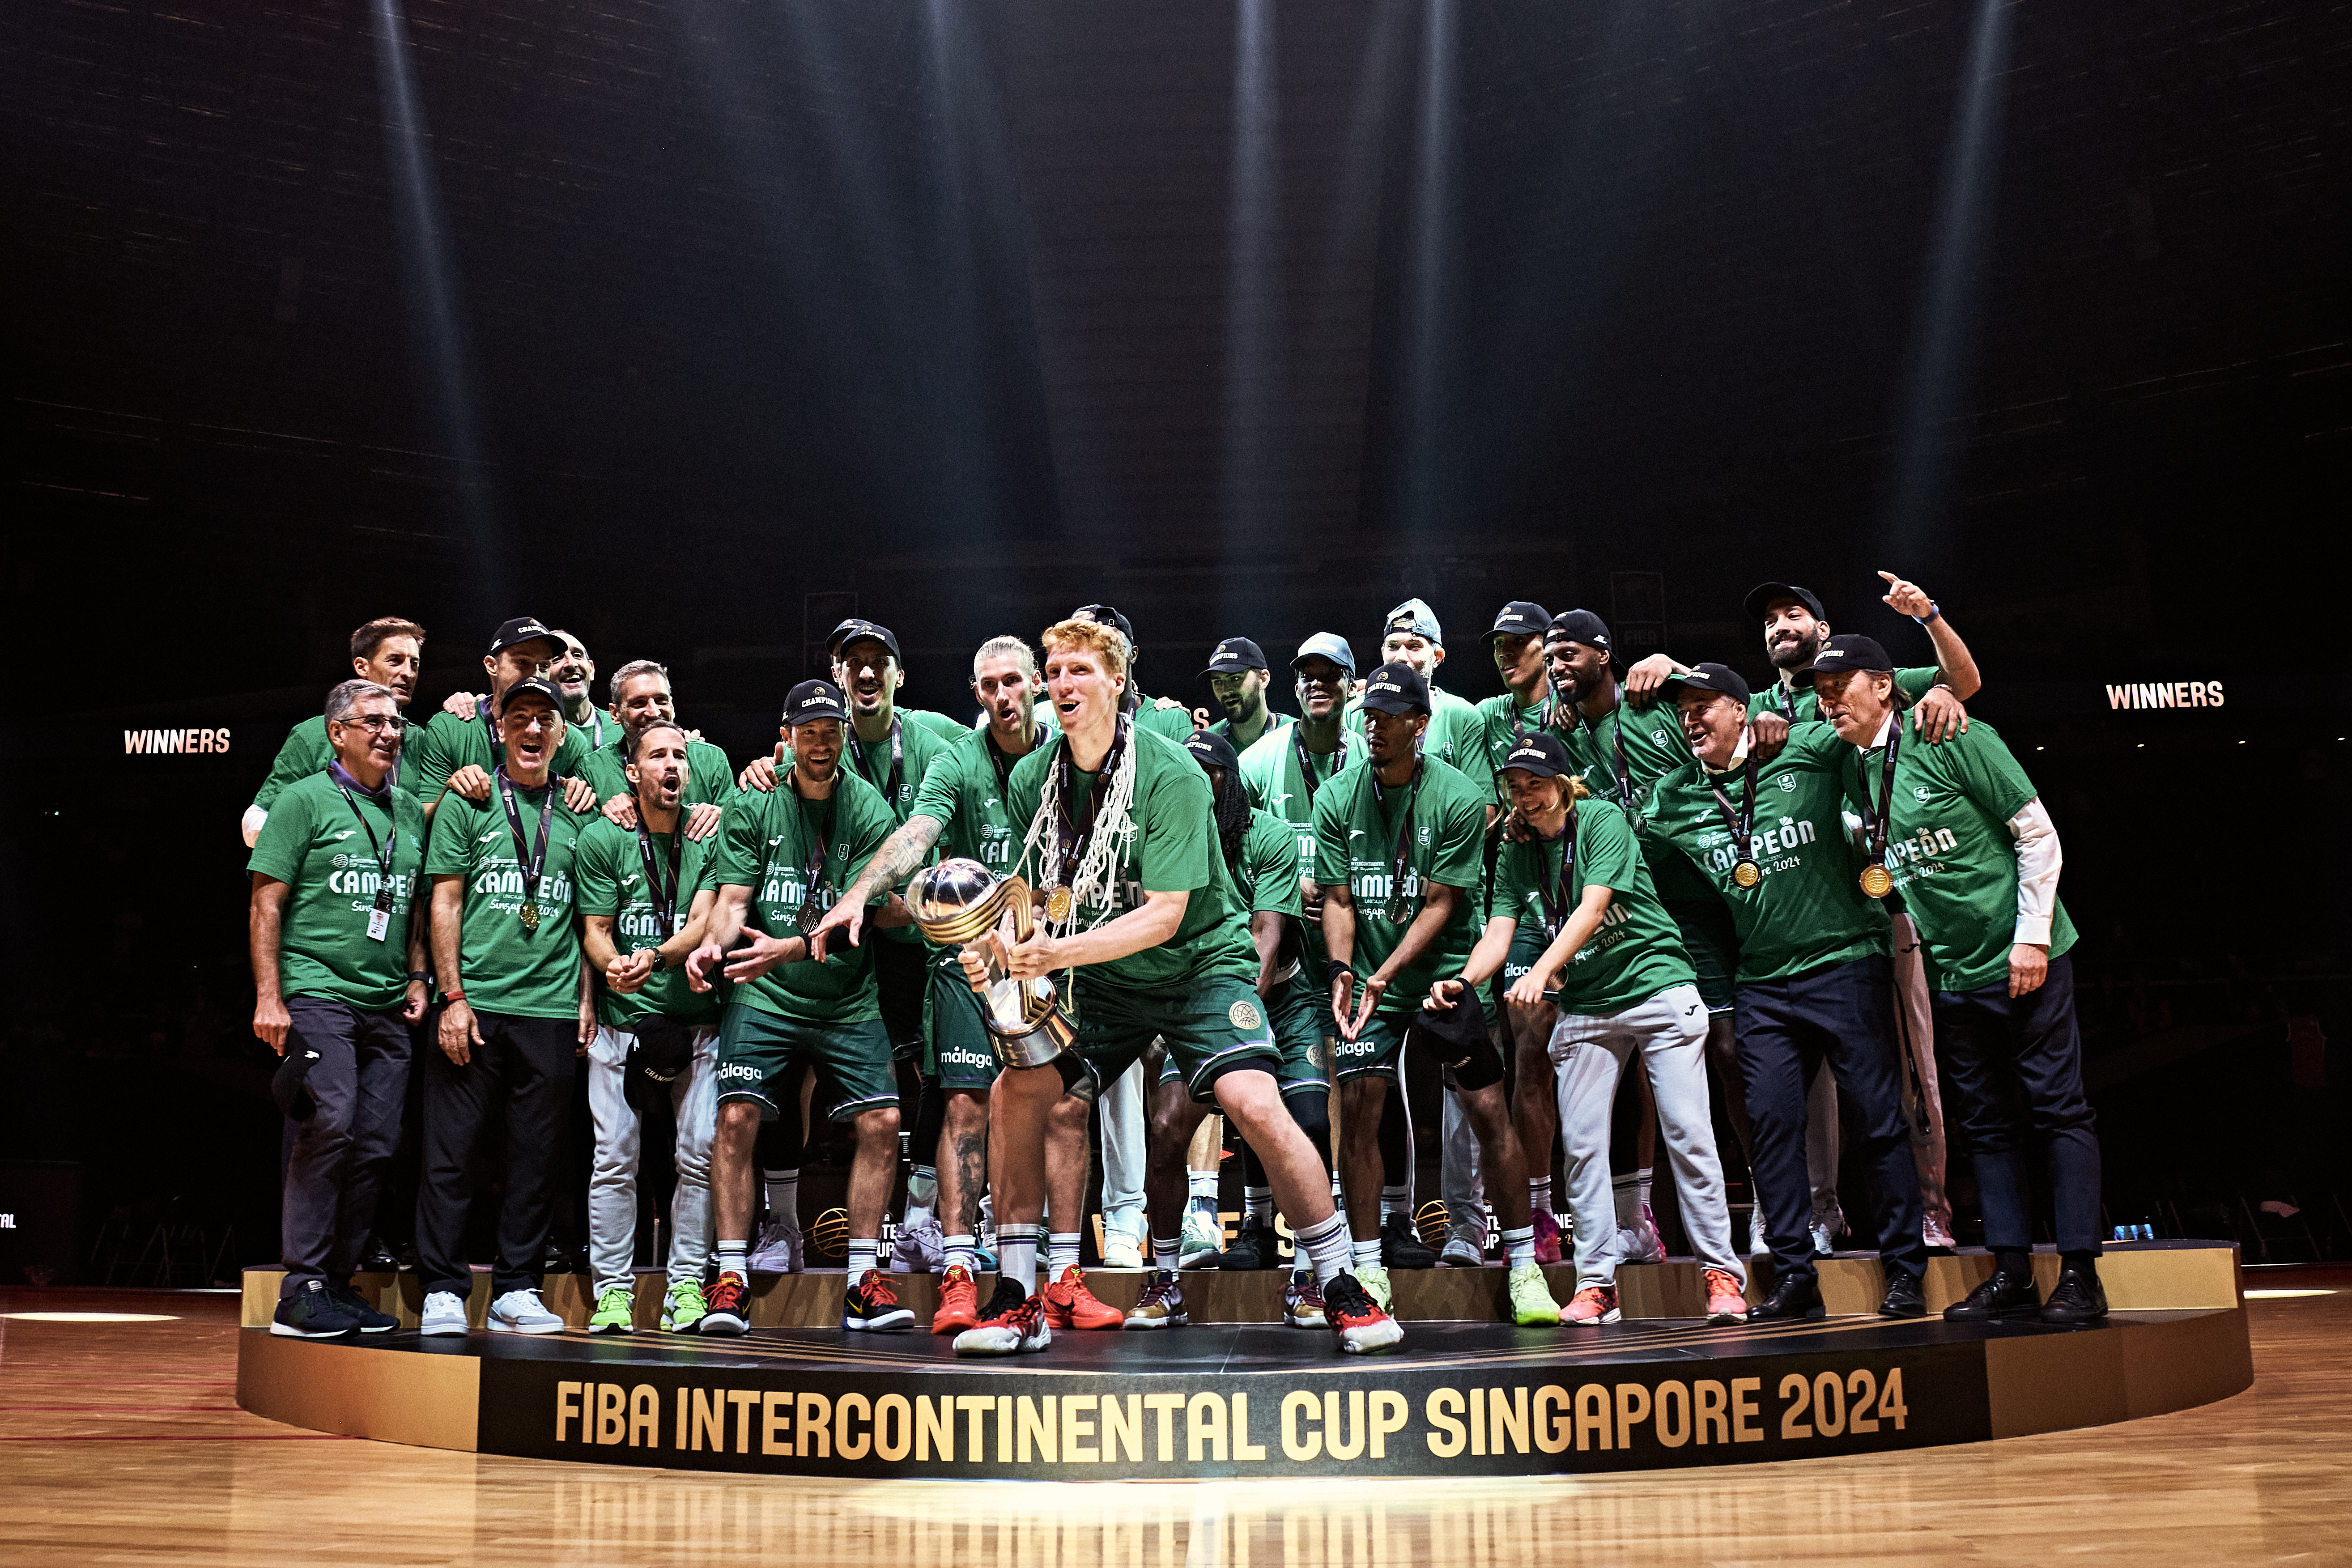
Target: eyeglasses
530, 721
376, 723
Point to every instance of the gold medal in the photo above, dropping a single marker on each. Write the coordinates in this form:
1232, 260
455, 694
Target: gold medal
1877, 881
1746, 873
1059, 902
530, 914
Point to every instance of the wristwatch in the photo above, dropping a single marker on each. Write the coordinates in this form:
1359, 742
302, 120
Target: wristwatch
1935, 612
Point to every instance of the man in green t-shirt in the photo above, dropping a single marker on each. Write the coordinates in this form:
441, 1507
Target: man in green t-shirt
642, 697
338, 940
1138, 905
1624, 990
785, 856
1814, 983
856, 628
1410, 636
457, 751
1399, 851
1237, 678
388, 651
517, 1009
573, 674
646, 896
1963, 836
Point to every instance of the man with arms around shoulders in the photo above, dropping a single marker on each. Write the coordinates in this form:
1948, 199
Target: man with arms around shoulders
642, 697
338, 940
518, 1008
389, 652
646, 895
1961, 832
457, 753
1238, 681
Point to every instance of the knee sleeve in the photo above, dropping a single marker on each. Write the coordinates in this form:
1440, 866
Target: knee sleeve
1392, 1137
930, 1121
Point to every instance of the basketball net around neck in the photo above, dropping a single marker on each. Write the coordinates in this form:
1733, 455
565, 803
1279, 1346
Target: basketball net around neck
1094, 885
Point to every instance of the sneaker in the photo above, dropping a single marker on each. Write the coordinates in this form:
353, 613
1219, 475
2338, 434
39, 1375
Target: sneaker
370, 1321
959, 1307
1727, 1301
727, 1307
615, 1313
1302, 1303
1640, 1242
1593, 1304
1362, 1323
778, 1250
1012, 1323
1400, 1245
1547, 1237
1120, 1251
1829, 1223
919, 1249
1999, 1296
683, 1308
1203, 1238
1757, 1245
1465, 1244
1532, 1302
1070, 1305
1254, 1247
522, 1313
1161, 1305
1938, 1237
871, 1305
1375, 1284
313, 1314
2077, 1298
444, 1313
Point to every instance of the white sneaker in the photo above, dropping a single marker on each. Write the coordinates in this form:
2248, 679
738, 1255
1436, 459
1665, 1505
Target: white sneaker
1757, 1245
1827, 1224
1123, 1239
445, 1313
778, 1250
1464, 1245
522, 1313
919, 1249
1203, 1237
1935, 1235
1640, 1242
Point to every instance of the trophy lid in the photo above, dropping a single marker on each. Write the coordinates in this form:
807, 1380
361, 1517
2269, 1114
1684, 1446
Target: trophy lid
955, 900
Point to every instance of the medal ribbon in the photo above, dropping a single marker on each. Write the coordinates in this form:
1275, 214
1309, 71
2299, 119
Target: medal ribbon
898, 760
1306, 768
1742, 822
1875, 824
1404, 834
383, 855
1003, 765
663, 898
530, 861
1070, 841
1553, 918
814, 871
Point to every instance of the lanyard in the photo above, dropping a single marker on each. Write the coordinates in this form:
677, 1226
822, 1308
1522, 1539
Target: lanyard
1553, 918
811, 914
596, 717
897, 759
1003, 765
1396, 909
1875, 822
1306, 768
1624, 773
1741, 822
663, 898
530, 861
1070, 839
1519, 725
383, 855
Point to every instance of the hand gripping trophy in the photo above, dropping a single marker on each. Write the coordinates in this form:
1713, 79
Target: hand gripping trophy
959, 902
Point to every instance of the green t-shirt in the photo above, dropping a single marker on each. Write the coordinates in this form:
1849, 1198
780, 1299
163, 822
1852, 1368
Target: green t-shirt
767, 844
1950, 849
709, 777
1284, 787
1638, 950
939, 724
612, 878
1355, 845
314, 845
1798, 704
1274, 724
1173, 849
1654, 747
1809, 911
918, 747
507, 968
305, 752
1270, 865
1503, 722
964, 792
450, 743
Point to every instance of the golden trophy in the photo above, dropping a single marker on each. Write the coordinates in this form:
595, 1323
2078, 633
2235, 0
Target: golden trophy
957, 903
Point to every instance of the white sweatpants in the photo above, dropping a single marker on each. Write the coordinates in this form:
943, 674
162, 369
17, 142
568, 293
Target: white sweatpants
1457, 1170
1125, 1125
1590, 1052
613, 1181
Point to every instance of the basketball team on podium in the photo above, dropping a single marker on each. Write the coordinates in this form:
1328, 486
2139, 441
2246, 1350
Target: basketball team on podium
1602, 904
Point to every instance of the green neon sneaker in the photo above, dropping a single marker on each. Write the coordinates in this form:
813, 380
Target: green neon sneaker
1532, 1302
615, 1313
684, 1307
1375, 1282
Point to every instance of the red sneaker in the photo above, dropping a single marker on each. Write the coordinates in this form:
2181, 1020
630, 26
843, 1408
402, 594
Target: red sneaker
1593, 1304
959, 1307
1547, 1237
1070, 1305
730, 1306
1355, 1317
1011, 1324
1726, 1302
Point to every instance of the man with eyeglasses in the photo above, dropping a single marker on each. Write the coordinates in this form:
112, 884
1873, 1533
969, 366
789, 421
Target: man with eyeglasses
390, 652
338, 944
455, 754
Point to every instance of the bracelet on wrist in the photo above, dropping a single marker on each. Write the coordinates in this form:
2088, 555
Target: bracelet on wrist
1333, 968
1935, 612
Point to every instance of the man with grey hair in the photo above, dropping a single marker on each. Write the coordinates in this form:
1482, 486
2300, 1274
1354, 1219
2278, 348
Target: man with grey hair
641, 697
337, 946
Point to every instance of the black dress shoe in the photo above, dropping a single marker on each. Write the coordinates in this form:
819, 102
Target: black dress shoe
1794, 1298
1999, 1296
378, 1258
1400, 1247
1252, 1247
1904, 1297
2078, 1298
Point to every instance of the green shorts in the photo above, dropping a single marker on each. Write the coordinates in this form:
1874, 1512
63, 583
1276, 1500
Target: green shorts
1302, 1017
1379, 1050
1212, 1026
756, 1048
957, 1049
1713, 943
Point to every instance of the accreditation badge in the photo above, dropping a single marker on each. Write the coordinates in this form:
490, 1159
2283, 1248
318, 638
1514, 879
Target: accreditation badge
379, 923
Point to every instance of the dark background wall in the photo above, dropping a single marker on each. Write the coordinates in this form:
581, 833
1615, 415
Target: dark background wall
674, 323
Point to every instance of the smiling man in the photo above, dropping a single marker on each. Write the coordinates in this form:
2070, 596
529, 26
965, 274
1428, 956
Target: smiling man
1410, 636
642, 698
573, 674
457, 752
1237, 678
388, 651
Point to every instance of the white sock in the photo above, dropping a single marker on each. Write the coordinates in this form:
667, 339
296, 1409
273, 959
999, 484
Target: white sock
735, 1258
1339, 1191
961, 1250
1016, 1256
1205, 1189
784, 1194
1394, 1200
1540, 1194
1630, 1191
1257, 1204
1365, 1253
864, 1253
1166, 1250
1061, 1252
1323, 1247
922, 1192
1520, 1245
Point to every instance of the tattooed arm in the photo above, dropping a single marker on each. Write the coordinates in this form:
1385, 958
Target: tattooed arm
899, 855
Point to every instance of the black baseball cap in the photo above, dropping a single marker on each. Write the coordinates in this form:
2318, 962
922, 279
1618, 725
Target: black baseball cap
1850, 650
1520, 618
524, 628
1235, 654
1397, 688
534, 687
1578, 627
1707, 678
1211, 750
1541, 755
1760, 597
811, 700
1108, 616
852, 630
